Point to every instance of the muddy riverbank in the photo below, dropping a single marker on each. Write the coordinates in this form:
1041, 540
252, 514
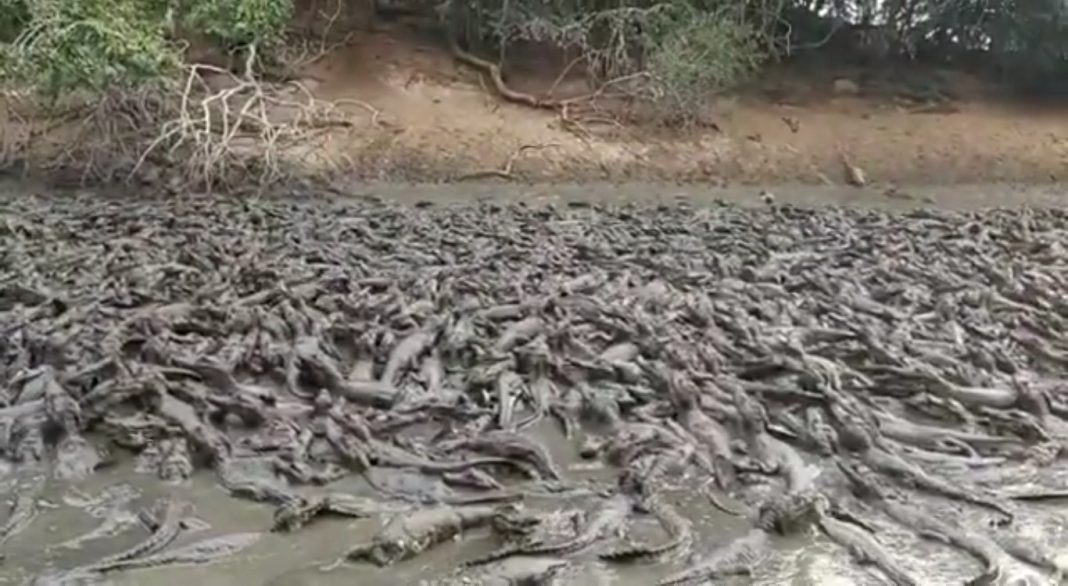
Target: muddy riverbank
588, 384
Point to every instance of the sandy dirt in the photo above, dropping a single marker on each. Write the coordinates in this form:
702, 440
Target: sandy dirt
418, 115
422, 116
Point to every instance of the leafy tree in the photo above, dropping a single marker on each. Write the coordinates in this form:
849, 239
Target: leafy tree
680, 50
62, 46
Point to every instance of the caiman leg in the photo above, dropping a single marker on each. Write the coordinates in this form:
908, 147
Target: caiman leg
893, 465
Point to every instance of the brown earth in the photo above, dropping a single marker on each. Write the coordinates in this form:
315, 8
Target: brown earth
423, 116
420, 115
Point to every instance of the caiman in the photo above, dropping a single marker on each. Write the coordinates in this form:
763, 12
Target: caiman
789, 513
509, 445
410, 534
298, 512
892, 464
770, 453
134, 431
862, 545
243, 485
384, 454
23, 511
868, 487
607, 520
520, 571
198, 552
1033, 551
176, 463
812, 430
707, 431
517, 333
678, 529
876, 452
76, 457
168, 526
939, 437
738, 557
405, 354
521, 529
27, 443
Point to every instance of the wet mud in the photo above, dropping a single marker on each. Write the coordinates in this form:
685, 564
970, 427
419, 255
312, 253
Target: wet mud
283, 391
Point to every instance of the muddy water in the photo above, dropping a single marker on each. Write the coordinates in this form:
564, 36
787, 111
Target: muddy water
110, 499
71, 512
966, 197
55, 540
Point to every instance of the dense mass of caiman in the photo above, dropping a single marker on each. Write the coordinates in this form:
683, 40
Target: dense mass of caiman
819, 368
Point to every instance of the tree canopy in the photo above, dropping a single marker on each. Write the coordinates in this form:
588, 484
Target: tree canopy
681, 48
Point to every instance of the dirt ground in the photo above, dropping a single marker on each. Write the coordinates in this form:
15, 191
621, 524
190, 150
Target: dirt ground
424, 117
421, 116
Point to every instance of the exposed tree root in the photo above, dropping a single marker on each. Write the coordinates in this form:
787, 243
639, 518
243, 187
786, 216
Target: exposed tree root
493, 70
565, 107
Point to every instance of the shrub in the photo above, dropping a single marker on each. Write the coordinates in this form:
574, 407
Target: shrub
61, 46
692, 54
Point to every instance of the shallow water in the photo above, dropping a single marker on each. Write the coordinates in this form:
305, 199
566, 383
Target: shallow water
965, 197
299, 558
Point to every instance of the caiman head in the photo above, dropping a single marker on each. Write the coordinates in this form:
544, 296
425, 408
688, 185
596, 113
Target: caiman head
510, 519
387, 553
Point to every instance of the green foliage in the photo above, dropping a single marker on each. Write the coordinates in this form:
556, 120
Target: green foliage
1030, 40
673, 51
14, 15
235, 23
89, 44
691, 54
1025, 41
62, 46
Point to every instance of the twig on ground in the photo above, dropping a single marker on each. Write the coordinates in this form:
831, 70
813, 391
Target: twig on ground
376, 114
506, 171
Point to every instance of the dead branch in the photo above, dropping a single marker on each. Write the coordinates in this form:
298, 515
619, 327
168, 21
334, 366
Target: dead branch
233, 134
184, 130
325, 47
506, 171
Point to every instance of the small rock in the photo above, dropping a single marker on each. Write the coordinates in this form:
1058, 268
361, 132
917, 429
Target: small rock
854, 175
